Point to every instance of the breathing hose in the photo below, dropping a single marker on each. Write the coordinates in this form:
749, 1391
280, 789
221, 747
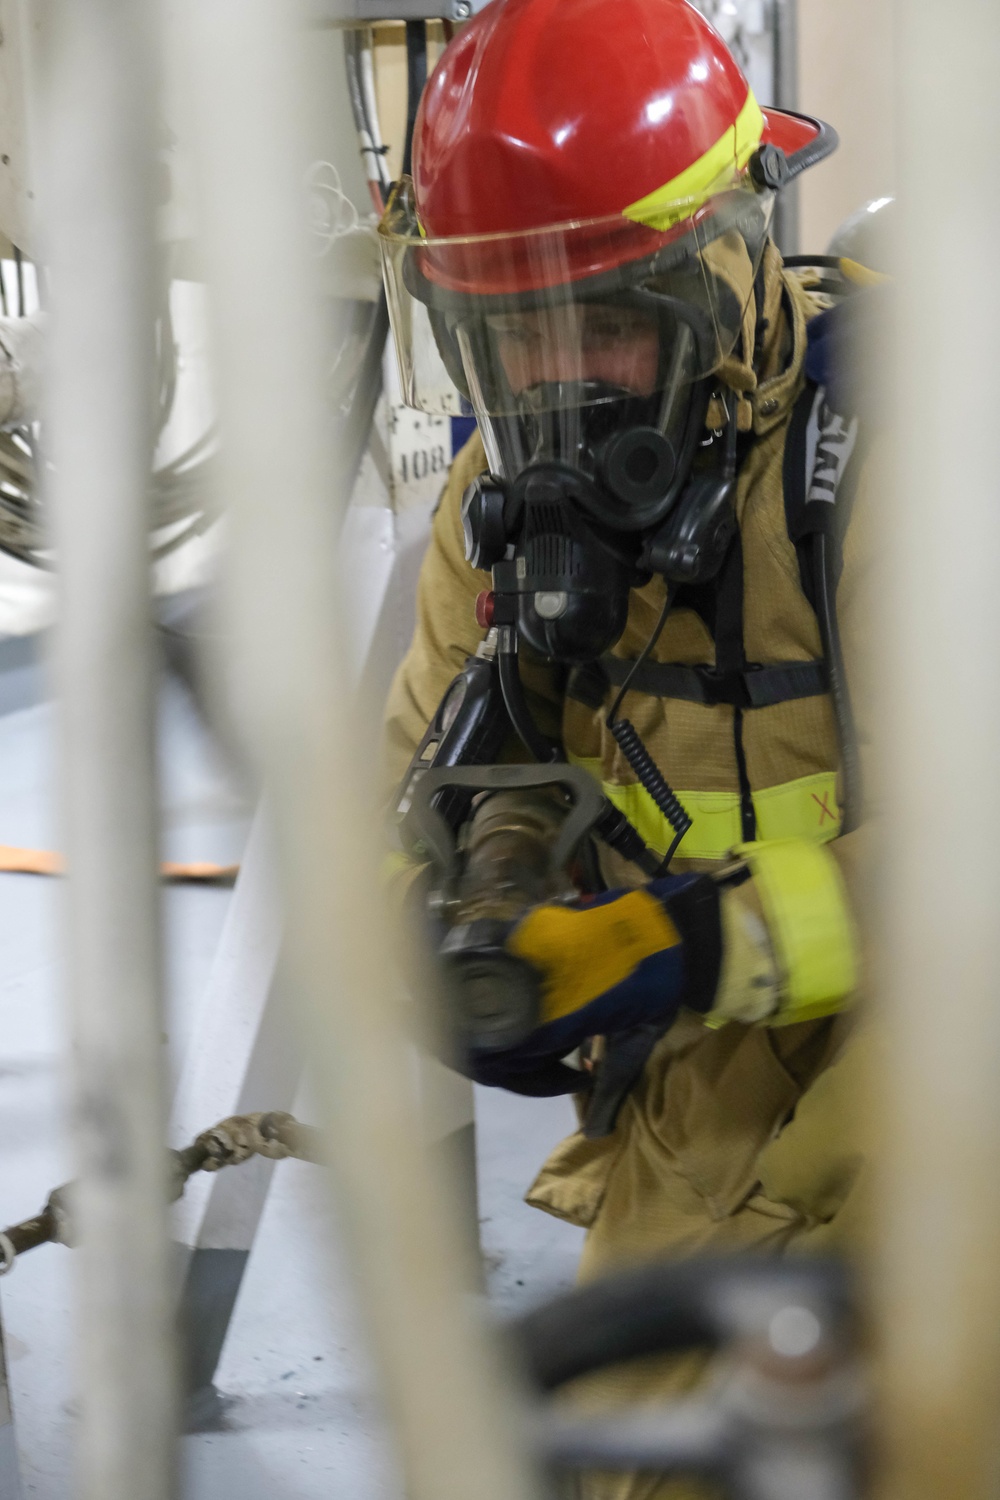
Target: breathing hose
528, 732
613, 827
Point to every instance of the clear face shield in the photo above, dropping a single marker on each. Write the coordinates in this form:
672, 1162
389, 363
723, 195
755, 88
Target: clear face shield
585, 345
587, 352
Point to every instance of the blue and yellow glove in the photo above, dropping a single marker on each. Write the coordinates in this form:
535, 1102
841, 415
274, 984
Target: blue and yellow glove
620, 965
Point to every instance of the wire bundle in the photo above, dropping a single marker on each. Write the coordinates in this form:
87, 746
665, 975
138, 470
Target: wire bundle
178, 491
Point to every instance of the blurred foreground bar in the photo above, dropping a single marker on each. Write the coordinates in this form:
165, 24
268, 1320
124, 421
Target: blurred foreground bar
283, 486
938, 637
98, 115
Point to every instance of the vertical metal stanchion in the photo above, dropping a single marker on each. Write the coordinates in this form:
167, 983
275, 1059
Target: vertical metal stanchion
785, 30
451, 1409
10, 1470
97, 115
939, 639
240, 1058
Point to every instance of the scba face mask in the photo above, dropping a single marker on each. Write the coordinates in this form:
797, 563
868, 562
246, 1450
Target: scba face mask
590, 394
571, 547
604, 387
590, 412
594, 200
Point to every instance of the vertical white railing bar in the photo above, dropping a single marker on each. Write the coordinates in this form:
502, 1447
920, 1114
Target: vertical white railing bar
96, 113
451, 1409
939, 640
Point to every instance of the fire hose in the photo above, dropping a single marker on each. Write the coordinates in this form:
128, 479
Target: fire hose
784, 1414
236, 1139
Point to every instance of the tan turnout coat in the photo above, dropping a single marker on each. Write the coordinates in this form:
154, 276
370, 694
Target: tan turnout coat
742, 1137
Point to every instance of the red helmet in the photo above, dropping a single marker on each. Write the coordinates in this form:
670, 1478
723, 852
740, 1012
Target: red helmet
593, 182
545, 112
572, 111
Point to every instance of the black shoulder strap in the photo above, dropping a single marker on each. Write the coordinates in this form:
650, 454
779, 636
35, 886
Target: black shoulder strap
823, 456
833, 419
822, 459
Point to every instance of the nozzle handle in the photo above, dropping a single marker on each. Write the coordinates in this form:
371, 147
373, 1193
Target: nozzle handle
426, 835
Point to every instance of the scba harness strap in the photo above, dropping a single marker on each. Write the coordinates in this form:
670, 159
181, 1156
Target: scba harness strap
824, 447
753, 686
823, 454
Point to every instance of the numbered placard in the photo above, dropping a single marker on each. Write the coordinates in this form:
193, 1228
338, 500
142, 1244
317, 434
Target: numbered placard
420, 449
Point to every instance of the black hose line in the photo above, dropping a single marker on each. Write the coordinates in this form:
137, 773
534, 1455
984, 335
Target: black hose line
534, 741
671, 1307
416, 78
615, 830
847, 740
613, 827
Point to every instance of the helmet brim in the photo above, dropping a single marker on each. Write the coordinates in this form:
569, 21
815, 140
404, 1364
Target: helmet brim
804, 139
595, 258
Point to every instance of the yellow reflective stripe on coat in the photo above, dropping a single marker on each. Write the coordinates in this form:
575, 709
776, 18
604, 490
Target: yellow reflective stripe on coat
802, 809
684, 194
809, 921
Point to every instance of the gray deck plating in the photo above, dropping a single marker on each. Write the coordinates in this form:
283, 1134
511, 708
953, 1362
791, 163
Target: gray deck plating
300, 1409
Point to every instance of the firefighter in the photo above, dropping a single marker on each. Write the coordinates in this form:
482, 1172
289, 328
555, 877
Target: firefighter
584, 251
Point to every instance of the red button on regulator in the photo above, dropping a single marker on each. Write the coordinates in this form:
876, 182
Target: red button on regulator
484, 609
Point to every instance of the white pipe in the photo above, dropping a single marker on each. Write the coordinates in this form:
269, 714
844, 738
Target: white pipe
21, 356
97, 116
939, 644
451, 1408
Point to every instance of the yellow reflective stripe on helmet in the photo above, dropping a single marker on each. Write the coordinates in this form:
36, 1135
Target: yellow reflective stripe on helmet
802, 809
684, 194
809, 921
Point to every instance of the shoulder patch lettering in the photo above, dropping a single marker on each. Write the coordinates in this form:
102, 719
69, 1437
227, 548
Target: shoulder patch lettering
829, 444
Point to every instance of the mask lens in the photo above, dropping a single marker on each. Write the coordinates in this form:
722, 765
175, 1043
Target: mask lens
557, 346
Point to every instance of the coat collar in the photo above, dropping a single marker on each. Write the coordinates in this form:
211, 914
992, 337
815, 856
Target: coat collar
767, 373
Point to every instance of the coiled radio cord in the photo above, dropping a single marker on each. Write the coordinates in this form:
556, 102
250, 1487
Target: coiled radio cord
630, 743
613, 827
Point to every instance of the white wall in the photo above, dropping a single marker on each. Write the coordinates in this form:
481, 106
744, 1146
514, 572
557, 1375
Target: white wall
846, 77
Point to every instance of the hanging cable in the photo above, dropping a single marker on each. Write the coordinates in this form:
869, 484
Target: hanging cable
416, 77
630, 743
625, 733
613, 827
534, 741
369, 95
361, 98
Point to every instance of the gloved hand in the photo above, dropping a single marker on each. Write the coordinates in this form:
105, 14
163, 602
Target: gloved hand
619, 965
